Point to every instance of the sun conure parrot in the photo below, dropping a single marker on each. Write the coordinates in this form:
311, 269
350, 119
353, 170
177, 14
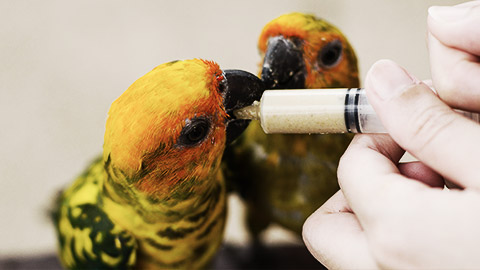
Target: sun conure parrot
285, 178
156, 198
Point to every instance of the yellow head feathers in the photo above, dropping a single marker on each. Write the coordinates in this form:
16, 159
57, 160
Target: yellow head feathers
149, 116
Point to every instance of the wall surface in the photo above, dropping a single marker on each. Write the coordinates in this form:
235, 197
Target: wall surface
62, 63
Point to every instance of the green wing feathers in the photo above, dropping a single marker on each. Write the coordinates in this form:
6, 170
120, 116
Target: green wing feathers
88, 239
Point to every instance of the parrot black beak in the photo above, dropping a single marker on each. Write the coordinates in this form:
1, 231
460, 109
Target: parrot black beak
241, 89
283, 65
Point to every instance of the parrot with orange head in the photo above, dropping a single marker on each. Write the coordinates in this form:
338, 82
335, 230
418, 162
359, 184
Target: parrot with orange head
286, 177
156, 198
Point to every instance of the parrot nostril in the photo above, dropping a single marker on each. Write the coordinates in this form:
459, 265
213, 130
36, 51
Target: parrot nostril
283, 64
298, 42
222, 87
268, 77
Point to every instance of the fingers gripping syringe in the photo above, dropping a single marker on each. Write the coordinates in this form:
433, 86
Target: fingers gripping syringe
317, 111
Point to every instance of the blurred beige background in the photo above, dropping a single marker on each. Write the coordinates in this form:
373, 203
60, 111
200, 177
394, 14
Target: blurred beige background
62, 63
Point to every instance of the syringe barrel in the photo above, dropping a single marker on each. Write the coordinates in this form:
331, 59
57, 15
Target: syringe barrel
303, 111
320, 111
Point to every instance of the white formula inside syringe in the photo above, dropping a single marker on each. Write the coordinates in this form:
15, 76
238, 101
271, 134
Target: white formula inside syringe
317, 111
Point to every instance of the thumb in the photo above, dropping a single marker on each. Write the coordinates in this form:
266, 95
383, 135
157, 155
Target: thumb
423, 125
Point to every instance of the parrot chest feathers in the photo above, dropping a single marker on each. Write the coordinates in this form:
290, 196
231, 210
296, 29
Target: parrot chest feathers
97, 230
181, 231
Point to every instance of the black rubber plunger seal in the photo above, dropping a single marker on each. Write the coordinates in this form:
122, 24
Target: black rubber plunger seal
352, 121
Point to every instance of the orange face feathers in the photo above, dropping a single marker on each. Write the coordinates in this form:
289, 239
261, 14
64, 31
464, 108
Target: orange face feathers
289, 25
145, 124
171, 126
327, 57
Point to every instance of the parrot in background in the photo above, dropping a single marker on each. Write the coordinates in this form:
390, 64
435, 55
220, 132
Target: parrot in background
284, 178
156, 198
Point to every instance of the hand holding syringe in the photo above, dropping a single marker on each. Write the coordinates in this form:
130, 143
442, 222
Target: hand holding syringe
317, 111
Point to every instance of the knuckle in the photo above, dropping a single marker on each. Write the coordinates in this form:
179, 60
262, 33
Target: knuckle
458, 87
448, 80
342, 167
445, 81
350, 156
427, 123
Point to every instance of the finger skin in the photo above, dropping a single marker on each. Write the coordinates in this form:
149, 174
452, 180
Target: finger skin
457, 26
418, 171
334, 237
397, 215
407, 223
455, 75
393, 210
425, 126
333, 233
369, 166
454, 48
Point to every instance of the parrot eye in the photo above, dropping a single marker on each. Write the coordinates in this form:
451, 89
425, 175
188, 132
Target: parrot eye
330, 54
195, 131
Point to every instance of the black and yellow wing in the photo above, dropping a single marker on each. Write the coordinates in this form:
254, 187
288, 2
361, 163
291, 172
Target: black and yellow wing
88, 239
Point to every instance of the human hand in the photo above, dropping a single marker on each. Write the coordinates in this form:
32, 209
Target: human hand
397, 215
382, 217
454, 47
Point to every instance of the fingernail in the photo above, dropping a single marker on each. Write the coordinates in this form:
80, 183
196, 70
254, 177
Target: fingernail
447, 14
387, 79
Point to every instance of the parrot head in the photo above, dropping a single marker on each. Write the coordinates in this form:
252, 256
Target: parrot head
170, 127
301, 51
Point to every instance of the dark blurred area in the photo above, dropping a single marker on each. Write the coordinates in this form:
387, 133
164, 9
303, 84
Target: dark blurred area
229, 257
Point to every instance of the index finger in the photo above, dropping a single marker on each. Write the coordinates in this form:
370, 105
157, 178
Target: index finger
454, 47
455, 75
457, 26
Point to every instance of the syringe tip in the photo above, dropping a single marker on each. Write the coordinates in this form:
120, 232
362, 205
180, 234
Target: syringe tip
250, 112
